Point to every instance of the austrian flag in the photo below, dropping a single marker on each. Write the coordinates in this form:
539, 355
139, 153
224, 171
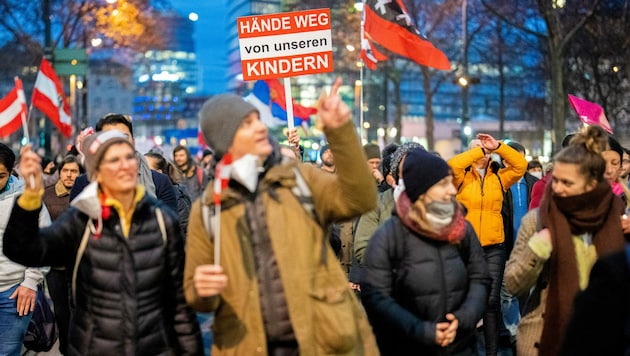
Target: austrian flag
49, 98
12, 110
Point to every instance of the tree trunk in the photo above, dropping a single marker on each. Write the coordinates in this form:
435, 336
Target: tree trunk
557, 98
428, 109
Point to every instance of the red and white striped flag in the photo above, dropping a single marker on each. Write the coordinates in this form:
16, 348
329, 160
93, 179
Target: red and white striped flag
12, 110
49, 98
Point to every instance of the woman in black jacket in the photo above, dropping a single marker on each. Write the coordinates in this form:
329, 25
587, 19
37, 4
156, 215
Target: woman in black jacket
124, 249
425, 280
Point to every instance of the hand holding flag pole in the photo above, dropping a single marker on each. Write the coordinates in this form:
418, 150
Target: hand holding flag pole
289, 102
223, 170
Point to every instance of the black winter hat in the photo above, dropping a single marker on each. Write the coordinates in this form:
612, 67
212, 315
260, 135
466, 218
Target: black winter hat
399, 154
422, 170
387, 154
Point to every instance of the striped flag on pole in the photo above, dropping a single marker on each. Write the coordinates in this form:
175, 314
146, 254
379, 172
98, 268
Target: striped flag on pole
49, 98
12, 110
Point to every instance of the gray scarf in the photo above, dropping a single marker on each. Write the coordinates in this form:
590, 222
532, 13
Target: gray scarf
144, 174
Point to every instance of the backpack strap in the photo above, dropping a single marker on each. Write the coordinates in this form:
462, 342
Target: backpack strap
160, 220
80, 252
466, 170
302, 193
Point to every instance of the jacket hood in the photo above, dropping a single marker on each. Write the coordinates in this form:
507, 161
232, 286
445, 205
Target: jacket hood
14, 185
87, 201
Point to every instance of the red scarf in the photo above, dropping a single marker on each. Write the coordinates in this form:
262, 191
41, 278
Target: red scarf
452, 233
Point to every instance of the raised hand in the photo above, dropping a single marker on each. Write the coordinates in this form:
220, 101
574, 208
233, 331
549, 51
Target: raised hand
488, 142
332, 111
31, 169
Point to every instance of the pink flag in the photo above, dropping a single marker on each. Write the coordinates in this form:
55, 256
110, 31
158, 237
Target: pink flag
12, 110
48, 96
590, 113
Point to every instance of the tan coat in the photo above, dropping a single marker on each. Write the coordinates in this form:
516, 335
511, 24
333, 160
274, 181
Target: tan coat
327, 318
522, 272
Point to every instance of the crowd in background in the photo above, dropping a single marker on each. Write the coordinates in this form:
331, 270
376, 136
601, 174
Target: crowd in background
389, 250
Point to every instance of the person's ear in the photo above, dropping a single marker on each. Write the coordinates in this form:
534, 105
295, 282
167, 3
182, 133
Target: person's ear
591, 185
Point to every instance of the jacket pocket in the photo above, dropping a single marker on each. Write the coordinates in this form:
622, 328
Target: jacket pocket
334, 320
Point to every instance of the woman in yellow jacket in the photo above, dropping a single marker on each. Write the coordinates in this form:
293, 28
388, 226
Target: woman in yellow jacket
480, 184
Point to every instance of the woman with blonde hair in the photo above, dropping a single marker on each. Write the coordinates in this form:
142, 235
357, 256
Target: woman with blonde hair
425, 280
558, 243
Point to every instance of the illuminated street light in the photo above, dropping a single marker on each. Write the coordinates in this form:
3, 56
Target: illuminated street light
463, 81
193, 16
558, 4
96, 42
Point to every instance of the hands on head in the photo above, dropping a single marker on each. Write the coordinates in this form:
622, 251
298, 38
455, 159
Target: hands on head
31, 169
488, 142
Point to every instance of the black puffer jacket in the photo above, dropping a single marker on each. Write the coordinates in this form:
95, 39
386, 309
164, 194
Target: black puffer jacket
409, 283
129, 296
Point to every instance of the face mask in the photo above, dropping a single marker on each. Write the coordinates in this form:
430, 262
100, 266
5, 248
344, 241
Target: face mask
537, 174
440, 214
400, 188
440, 209
245, 171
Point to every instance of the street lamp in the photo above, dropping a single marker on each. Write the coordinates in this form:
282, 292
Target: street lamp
463, 79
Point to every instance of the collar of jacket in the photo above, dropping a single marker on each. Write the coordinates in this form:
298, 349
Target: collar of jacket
278, 175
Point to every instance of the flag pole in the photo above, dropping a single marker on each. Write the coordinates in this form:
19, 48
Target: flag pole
23, 117
361, 128
289, 102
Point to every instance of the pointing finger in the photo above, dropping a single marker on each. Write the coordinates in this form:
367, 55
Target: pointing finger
335, 87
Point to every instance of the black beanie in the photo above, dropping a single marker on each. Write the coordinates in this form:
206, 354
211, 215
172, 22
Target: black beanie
615, 146
422, 170
387, 154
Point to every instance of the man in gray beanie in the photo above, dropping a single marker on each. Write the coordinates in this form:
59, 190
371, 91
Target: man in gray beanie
276, 268
219, 119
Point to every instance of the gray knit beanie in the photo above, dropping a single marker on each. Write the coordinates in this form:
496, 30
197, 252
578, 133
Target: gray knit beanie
220, 117
398, 156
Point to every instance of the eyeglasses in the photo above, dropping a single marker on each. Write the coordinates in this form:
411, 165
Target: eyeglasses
129, 159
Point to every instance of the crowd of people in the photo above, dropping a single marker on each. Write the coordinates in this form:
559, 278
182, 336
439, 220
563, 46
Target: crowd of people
394, 251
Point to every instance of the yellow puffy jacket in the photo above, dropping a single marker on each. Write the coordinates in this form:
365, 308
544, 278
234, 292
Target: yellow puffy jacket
483, 196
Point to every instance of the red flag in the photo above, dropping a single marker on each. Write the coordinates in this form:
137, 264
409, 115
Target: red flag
48, 96
370, 54
388, 24
590, 113
12, 110
279, 103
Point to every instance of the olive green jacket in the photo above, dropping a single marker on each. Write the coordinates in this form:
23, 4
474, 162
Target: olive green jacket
327, 318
